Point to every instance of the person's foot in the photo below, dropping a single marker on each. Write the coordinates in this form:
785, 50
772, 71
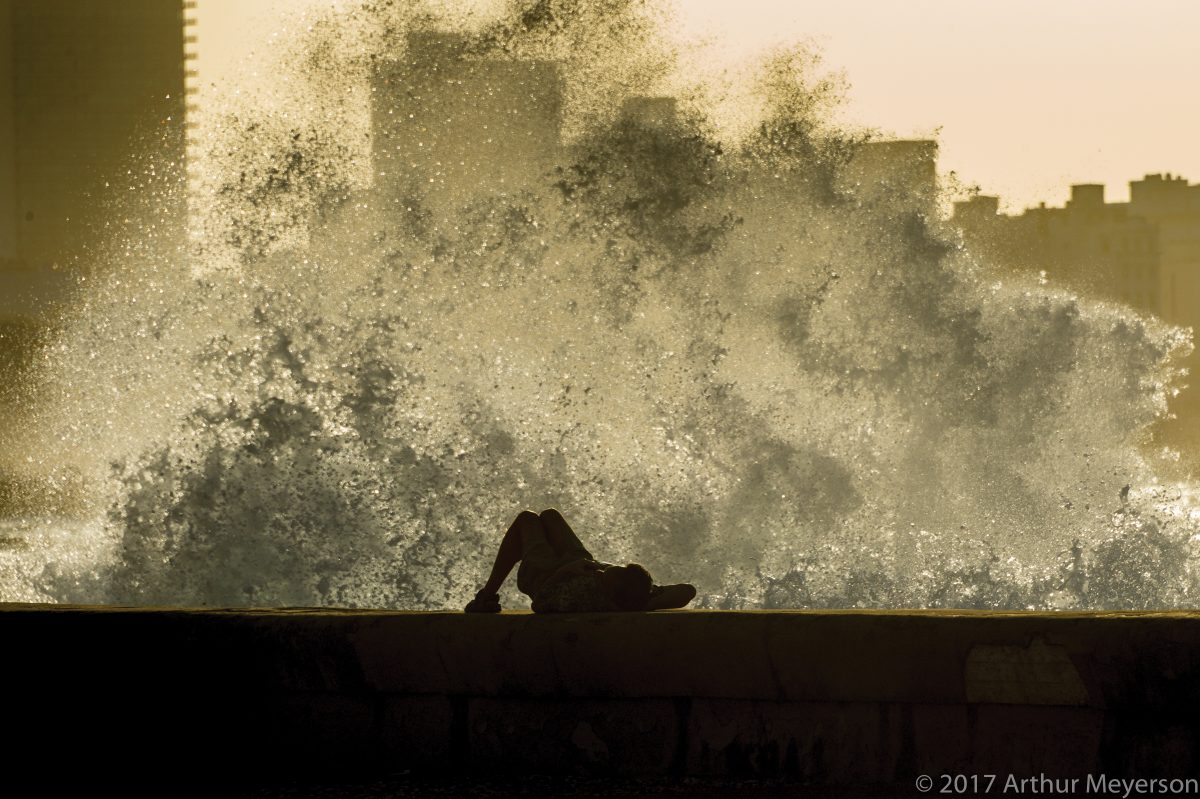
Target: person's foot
484, 603
668, 597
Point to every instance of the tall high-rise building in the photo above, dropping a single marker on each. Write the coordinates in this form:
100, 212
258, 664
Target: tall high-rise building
1172, 205
87, 88
449, 125
8, 143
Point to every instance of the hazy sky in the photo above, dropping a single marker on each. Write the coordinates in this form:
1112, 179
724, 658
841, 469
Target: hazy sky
1024, 96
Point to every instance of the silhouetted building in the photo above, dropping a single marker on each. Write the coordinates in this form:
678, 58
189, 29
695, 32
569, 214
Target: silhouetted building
449, 124
650, 111
1144, 253
85, 86
1173, 207
904, 171
8, 144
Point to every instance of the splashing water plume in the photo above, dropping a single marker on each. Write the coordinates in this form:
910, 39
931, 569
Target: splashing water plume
744, 362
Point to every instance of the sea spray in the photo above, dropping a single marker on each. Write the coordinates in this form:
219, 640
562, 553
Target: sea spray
744, 363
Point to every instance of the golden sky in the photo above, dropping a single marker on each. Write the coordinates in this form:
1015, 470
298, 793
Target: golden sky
1024, 96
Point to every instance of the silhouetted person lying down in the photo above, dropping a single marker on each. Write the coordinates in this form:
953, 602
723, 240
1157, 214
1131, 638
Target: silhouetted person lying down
560, 575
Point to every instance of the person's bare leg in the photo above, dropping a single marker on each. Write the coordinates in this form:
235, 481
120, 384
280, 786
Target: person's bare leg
509, 554
558, 532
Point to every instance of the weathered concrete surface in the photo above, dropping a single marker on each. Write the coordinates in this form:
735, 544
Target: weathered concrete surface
831, 698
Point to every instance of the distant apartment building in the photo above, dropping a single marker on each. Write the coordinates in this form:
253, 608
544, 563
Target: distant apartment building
903, 171
449, 124
1144, 253
85, 87
650, 111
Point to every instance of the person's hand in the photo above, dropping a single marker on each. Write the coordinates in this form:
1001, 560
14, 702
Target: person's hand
484, 603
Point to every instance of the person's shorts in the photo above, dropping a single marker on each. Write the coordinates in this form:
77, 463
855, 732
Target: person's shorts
540, 558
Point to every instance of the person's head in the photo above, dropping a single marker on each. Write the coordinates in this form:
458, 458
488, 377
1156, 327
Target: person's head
629, 586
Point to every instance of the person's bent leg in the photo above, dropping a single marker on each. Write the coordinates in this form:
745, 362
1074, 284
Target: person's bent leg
511, 550
561, 536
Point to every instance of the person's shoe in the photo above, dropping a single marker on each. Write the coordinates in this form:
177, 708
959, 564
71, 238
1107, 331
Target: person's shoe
671, 597
484, 603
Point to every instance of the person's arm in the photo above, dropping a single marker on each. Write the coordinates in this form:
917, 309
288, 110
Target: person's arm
580, 566
542, 603
665, 597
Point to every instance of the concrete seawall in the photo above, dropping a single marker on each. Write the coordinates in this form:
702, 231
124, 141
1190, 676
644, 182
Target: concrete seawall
830, 698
